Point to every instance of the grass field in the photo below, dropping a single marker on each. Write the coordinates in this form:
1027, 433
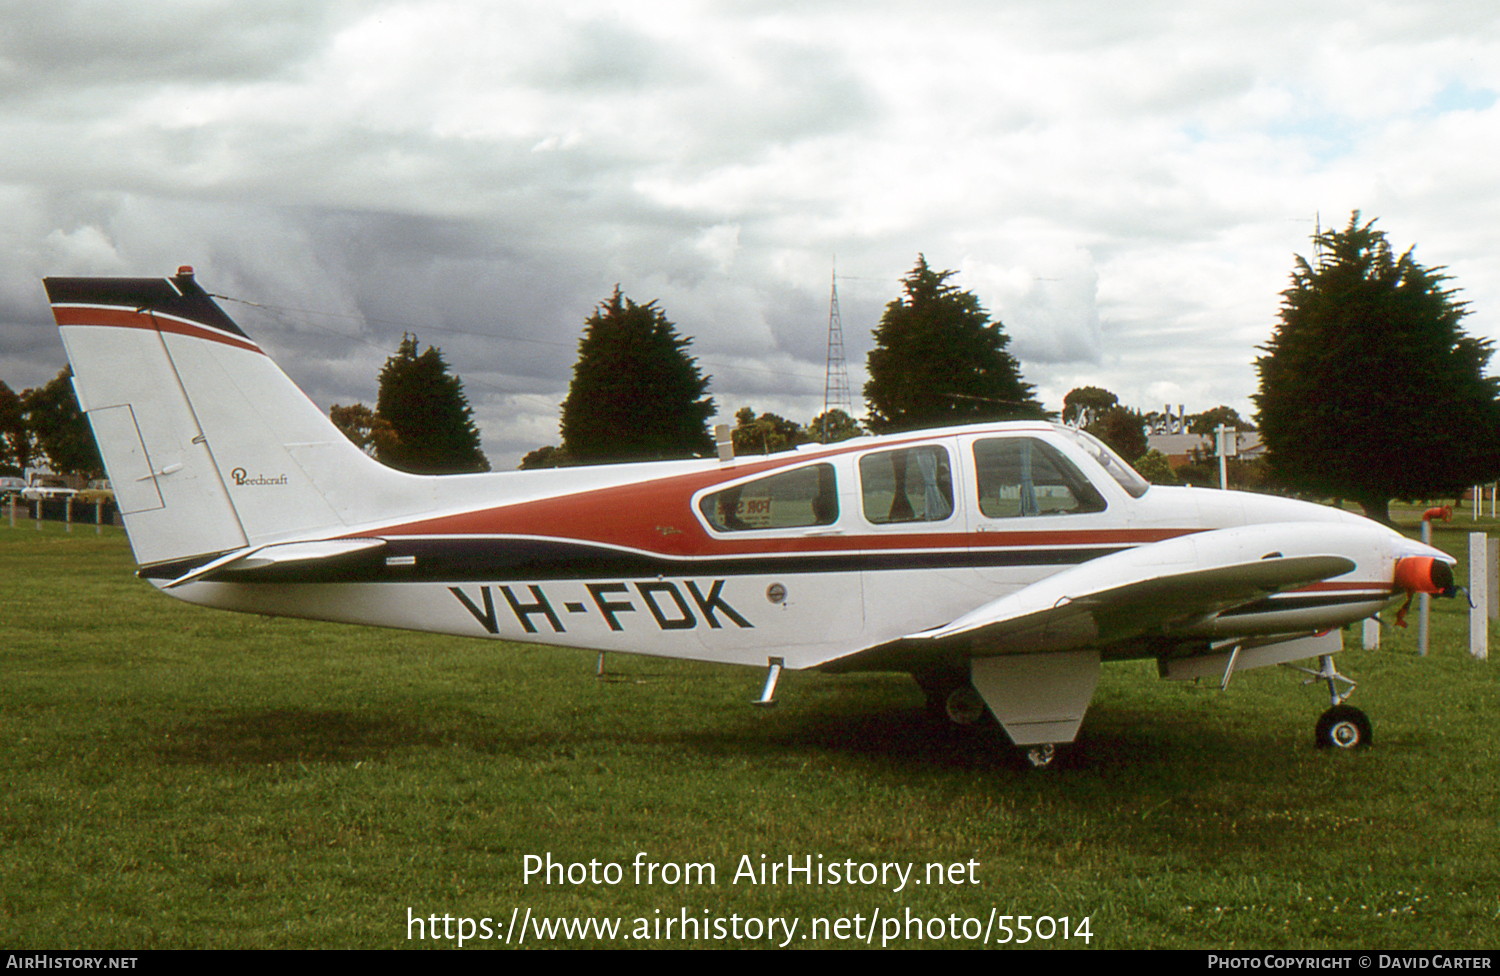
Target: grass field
176, 777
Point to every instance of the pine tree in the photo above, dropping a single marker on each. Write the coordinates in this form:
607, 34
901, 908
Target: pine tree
1369, 389
636, 393
938, 360
431, 425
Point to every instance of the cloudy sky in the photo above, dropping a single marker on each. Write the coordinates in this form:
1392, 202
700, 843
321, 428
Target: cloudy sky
1124, 185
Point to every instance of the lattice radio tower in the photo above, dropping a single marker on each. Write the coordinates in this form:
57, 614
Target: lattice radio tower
836, 374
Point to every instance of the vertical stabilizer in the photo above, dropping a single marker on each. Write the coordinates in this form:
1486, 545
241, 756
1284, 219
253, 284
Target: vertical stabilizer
209, 445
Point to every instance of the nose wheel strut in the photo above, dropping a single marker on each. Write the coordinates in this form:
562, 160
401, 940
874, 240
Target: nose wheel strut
1342, 726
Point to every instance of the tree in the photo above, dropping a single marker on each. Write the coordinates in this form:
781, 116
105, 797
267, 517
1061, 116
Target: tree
1122, 429
60, 427
1086, 404
1369, 389
1207, 422
766, 434
549, 456
938, 360
833, 426
431, 426
1155, 468
636, 393
15, 440
364, 428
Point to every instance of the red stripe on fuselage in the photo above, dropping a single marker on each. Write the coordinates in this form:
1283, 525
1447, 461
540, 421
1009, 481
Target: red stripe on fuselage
123, 318
657, 517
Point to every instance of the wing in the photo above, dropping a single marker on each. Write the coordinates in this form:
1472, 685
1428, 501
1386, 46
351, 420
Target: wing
1081, 618
1179, 587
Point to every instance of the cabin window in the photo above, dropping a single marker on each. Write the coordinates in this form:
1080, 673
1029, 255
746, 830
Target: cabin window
788, 500
1020, 477
913, 484
1112, 463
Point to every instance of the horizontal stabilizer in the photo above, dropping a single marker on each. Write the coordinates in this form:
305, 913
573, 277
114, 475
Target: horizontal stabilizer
281, 556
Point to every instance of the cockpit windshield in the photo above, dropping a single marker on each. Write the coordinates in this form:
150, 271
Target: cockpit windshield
1112, 462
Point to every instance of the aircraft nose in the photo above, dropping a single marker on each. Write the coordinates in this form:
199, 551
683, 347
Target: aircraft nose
1424, 574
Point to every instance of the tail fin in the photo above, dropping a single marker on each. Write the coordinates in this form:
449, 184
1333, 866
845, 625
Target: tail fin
210, 447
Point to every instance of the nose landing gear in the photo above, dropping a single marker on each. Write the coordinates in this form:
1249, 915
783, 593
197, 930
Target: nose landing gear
1342, 726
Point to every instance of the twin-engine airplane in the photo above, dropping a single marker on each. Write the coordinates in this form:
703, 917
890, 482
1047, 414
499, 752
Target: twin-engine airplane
998, 564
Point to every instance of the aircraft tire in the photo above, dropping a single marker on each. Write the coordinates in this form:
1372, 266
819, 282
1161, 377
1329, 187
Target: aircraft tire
938, 684
964, 707
1343, 727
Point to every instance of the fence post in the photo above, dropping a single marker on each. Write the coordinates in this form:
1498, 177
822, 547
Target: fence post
1479, 586
1492, 561
1424, 602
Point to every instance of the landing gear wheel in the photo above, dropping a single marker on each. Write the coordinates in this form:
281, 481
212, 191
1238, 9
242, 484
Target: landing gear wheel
950, 696
1041, 756
963, 706
1343, 727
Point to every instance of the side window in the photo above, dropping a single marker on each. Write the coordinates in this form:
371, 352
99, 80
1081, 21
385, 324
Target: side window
789, 500
913, 484
1020, 477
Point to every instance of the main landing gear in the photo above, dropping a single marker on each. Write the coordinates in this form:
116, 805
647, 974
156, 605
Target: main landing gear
1040, 756
1342, 726
952, 697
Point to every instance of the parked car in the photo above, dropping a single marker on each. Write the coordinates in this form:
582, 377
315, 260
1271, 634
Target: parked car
11, 486
46, 493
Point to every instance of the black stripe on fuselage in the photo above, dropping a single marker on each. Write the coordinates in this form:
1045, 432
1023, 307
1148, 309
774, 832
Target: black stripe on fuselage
466, 560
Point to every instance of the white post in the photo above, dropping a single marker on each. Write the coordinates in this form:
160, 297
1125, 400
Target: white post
1424, 602
1371, 634
1223, 459
1479, 587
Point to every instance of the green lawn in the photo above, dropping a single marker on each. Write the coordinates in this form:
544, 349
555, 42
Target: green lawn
176, 777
